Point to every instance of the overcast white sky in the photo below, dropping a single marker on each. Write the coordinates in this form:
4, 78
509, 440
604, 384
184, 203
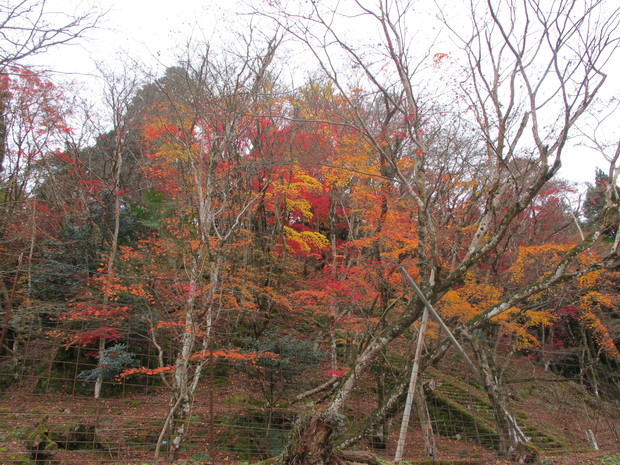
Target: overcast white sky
146, 30
153, 32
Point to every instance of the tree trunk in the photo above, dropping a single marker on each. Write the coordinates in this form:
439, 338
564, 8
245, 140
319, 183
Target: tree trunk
188, 372
118, 166
181, 409
412, 388
305, 441
588, 365
312, 441
99, 381
380, 433
512, 442
180, 405
180, 418
4, 97
426, 425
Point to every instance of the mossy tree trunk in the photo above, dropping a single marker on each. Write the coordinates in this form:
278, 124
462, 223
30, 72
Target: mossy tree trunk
312, 442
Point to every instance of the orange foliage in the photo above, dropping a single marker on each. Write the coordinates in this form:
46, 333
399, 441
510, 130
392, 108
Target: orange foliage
234, 355
467, 301
590, 302
145, 371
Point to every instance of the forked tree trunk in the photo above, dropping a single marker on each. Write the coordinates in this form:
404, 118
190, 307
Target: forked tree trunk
312, 439
175, 424
181, 405
180, 402
188, 372
183, 386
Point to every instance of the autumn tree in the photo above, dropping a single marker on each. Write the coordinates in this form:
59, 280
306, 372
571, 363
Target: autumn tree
31, 27
35, 125
197, 132
28, 28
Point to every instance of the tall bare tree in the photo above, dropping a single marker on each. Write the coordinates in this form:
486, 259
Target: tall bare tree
524, 74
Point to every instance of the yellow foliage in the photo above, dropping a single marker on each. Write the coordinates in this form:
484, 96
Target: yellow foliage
523, 339
307, 183
432, 329
315, 239
539, 318
454, 303
302, 206
306, 240
292, 193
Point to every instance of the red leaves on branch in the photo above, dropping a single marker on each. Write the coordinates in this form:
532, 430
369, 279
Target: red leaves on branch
93, 336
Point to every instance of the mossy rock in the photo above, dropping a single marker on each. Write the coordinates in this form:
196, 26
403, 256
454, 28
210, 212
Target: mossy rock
40, 443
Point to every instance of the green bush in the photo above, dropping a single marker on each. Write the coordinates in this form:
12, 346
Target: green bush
111, 362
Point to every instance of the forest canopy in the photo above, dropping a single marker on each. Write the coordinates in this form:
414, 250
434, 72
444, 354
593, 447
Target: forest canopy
222, 212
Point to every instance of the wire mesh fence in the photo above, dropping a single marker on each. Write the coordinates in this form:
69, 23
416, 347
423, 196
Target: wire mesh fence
244, 412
